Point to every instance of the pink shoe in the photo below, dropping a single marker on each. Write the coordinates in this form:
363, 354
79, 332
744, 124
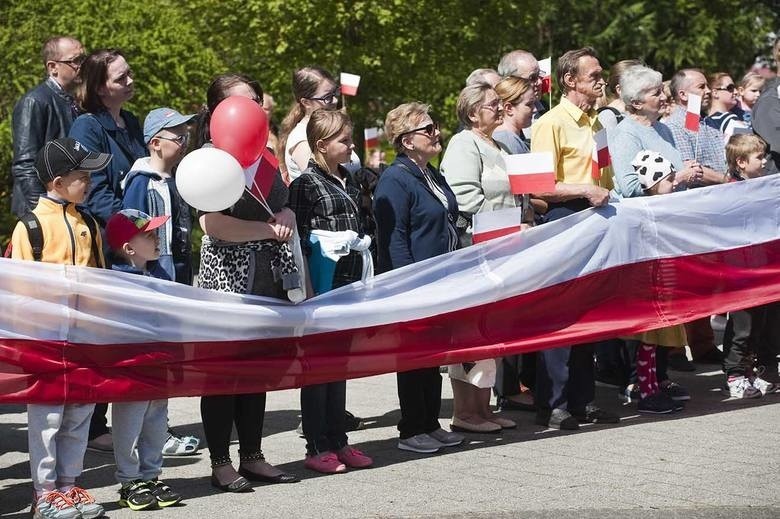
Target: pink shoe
325, 462
353, 458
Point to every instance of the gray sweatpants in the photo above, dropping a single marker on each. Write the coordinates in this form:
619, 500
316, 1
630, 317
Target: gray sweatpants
139, 430
57, 439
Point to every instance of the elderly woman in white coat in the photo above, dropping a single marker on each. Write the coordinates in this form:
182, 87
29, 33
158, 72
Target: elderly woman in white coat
474, 167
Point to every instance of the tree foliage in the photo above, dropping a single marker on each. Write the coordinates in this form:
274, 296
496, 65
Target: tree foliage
404, 51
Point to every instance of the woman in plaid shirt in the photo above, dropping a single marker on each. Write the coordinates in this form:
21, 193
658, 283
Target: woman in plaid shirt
323, 199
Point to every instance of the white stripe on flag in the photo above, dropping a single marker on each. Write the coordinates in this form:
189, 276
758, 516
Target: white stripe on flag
349, 83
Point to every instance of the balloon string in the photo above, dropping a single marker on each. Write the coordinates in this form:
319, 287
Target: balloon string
260, 199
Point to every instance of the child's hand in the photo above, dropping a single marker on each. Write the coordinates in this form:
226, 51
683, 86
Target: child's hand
283, 224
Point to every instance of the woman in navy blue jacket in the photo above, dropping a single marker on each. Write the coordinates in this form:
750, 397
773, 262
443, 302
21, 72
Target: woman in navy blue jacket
415, 212
106, 85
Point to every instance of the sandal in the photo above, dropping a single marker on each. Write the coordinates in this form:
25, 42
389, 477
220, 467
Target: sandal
177, 445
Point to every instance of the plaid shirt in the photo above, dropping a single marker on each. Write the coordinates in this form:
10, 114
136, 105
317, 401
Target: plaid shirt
319, 203
711, 150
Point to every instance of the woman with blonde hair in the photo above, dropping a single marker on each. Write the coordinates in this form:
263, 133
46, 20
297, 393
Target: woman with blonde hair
324, 199
415, 212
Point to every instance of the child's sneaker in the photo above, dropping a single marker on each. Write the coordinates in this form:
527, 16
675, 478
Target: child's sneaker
740, 387
164, 494
762, 385
55, 505
136, 495
85, 503
325, 462
353, 458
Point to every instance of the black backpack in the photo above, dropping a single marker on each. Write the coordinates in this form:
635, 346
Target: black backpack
35, 234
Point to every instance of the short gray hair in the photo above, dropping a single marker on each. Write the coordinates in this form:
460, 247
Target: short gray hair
636, 81
508, 64
469, 100
480, 75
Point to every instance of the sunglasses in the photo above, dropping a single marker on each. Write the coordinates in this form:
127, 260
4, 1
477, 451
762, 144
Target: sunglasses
729, 88
429, 129
74, 62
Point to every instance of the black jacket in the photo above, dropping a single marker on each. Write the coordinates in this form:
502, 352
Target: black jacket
44, 113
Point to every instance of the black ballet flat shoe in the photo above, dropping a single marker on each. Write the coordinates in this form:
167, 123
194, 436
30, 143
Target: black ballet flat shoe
281, 478
240, 485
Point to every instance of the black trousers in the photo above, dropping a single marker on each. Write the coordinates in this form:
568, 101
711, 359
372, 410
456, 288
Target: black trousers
749, 333
565, 378
98, 424
322, 414
419, 393
513, 371
220, 412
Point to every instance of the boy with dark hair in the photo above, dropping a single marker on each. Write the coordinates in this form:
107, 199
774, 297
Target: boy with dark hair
56, 231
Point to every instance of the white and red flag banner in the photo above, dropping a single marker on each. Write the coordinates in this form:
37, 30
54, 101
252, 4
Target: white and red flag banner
495, 224
545, 72
349, 84
601, 157
371, 137
693, 112
530, 172
77, 334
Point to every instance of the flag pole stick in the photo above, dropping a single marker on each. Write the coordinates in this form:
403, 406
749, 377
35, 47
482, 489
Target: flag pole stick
696, 149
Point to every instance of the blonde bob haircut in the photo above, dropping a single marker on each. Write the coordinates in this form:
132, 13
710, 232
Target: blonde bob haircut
511, 89
469, 100
324, 125
402, 119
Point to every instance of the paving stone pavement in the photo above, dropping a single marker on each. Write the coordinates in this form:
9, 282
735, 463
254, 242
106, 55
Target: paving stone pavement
715, 459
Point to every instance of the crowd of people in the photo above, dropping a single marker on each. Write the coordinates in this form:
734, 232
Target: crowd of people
95, 187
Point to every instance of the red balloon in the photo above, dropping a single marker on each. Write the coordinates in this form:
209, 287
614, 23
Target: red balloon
239, 126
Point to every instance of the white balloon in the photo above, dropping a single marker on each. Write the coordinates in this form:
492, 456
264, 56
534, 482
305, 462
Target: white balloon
210, 179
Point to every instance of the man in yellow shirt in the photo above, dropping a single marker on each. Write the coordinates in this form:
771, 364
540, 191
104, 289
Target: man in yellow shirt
565, 380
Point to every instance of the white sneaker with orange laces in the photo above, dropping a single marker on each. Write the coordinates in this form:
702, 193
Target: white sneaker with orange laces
55, 505
84, 503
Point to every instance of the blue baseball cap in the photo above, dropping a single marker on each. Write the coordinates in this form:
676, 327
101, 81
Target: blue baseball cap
160, 118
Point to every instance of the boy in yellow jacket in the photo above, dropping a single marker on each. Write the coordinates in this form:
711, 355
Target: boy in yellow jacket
58, 232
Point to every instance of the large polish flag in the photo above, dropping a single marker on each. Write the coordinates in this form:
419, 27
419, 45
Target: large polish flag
693, 112
495, 224
371, 137
530, 172
349, 84
77, 334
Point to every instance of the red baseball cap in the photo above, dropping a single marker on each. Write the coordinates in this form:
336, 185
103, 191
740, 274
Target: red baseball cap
127, 224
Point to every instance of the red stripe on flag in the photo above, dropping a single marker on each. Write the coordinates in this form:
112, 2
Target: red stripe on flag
692, 121
593, 307
495, 233
595, 170
349, 90
604, 157
532, 183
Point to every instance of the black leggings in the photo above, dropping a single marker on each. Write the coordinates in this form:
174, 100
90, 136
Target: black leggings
220, 412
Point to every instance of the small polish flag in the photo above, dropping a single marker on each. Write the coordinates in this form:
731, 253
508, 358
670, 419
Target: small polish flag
601, 158
259, 177
371, 137
693, 113
530, 172
349, 84
494, 224
545, 72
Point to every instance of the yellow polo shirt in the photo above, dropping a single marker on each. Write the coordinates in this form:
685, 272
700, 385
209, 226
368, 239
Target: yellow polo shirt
567, 132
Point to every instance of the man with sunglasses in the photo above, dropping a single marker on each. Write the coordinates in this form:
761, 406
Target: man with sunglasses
43, 114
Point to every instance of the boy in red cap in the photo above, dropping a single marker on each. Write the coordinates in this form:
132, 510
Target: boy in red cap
139, 427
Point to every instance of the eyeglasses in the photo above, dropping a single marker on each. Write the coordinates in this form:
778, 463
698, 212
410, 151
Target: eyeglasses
429, 129
729, 88
74, 63
494, 106
328, 98
181, 140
